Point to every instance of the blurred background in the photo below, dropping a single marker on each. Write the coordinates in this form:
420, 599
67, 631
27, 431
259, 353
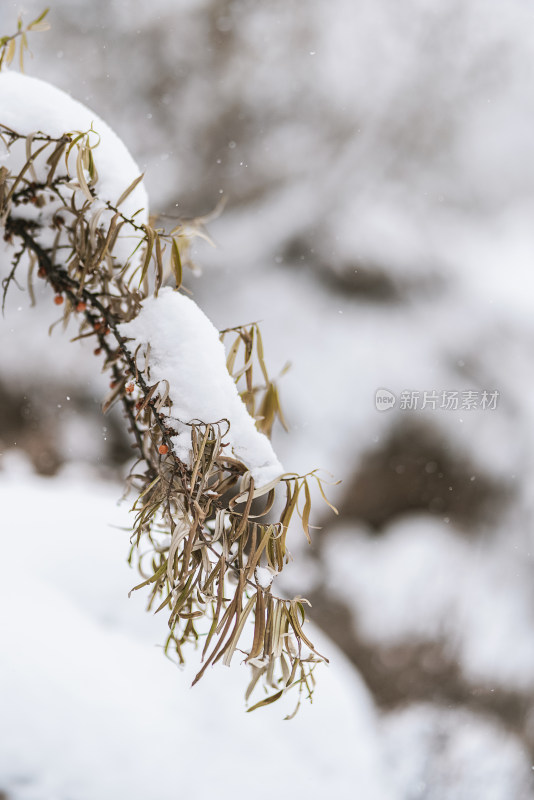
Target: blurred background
377, 161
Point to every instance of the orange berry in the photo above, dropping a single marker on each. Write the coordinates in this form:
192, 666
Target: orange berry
112, 384
41, 272
58, 299
163, 449
130, 388
97, 351
81, 306
97, 326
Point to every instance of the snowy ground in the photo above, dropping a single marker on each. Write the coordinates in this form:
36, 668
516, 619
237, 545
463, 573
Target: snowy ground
91, 708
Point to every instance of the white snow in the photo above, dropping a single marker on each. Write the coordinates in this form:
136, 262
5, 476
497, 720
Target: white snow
185, 351
29, 105
91, 708
454, 754
264, 576
477, 601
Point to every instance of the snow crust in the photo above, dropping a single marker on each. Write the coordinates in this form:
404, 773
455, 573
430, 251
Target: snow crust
185, 350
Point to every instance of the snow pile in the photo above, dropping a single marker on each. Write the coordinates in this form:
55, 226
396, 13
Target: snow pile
184, 349
28, 106
91, 708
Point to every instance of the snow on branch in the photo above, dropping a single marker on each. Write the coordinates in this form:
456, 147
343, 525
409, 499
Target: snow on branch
181, 346
205, 540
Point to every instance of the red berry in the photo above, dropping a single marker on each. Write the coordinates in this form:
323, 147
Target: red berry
81, 306
58, 299
163, 449
97, 326
41, 272
97, 351
112, 384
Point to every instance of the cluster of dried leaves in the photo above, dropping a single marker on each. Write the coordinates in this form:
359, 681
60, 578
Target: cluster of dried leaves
206, 541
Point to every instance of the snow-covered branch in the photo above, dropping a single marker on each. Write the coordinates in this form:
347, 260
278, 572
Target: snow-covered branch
74, 208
